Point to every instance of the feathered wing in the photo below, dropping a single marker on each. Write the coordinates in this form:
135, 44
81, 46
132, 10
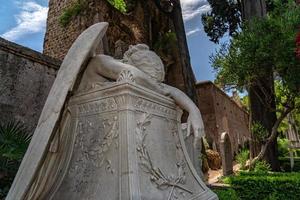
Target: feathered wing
66, 82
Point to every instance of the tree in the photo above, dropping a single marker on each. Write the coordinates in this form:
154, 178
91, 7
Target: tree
261, 91
225, 17
266, 45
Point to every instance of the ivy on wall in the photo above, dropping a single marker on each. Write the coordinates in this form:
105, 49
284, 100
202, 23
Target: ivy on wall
119, 5
72, 11
80, 5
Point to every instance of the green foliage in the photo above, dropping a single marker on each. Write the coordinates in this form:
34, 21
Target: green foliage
259, 131
80, 5
224, 17
266, 45
245, 102
283, 147
72, 11
285, 164
266, 186
164, 46
226, 194
14, 141
242, 158
119, 5
262, 167
166, 41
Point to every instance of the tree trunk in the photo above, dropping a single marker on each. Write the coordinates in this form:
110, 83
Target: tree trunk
261, 94
262, 106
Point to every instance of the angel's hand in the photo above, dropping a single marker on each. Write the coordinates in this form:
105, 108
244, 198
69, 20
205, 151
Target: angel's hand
195, 122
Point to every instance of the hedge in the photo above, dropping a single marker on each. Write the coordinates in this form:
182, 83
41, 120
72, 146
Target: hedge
226, 194
266, 186
285, 163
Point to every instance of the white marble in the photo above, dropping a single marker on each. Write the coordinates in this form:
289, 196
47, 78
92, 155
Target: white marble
97, 139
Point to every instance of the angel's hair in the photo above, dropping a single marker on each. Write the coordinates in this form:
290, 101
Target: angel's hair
146, 60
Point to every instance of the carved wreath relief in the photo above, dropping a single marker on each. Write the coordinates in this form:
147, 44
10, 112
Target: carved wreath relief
163, 181
92, 148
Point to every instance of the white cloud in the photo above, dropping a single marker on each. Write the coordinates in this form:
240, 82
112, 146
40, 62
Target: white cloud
31, 19
193, 8
191, 32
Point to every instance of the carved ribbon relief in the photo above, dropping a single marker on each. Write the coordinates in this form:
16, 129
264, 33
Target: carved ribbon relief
163, 181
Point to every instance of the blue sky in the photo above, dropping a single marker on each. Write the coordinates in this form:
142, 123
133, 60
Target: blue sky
24, 22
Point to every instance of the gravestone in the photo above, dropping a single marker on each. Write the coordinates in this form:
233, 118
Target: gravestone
128, 146
110, 130
226, 154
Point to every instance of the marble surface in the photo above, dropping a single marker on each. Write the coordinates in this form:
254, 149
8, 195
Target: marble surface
128, 145
100, 139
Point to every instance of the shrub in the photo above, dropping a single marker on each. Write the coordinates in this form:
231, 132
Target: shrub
14, 140
283, 147
266, 186
226, 194
259, 131
242, 158
285, 164
262, 166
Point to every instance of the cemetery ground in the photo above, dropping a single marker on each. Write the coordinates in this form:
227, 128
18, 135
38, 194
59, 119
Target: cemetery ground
259, 183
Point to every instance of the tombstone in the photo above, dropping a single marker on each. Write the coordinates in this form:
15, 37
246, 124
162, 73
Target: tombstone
193, 150
226, 154
110, 130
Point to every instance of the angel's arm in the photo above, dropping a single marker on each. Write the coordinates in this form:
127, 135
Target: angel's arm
183, 101
111, 68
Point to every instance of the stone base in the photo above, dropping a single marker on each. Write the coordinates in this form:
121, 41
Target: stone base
128, 145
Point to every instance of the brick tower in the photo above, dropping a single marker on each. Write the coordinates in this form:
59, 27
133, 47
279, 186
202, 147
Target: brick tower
156, 23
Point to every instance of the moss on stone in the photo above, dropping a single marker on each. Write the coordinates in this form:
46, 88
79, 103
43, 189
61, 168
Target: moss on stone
71, 12
119, 5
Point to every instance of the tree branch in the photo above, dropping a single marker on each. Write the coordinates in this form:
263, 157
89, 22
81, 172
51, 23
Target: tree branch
272, 137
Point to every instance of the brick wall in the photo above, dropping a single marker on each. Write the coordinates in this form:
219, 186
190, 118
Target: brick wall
26, 77
58, 39
220, 113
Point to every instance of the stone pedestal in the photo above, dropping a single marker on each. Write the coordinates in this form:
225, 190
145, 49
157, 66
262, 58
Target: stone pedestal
128, 145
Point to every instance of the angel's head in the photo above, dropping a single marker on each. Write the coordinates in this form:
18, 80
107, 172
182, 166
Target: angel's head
145, 60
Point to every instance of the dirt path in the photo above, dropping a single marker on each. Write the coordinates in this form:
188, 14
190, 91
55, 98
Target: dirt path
215, 175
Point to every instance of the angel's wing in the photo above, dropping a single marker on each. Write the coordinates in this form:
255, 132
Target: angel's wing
67, 80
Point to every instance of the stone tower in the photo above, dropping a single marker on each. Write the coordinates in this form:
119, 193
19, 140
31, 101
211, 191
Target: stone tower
157, 23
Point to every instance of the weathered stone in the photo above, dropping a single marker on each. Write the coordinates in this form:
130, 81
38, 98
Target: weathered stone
128, 145
221, 114
49, 123
26, 77
194, 151
226, 154
85, 116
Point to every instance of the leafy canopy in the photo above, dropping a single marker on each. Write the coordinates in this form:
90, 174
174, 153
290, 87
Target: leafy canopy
265, 45
224, 17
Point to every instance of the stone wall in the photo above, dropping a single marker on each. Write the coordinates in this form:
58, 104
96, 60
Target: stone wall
26, 77
222, 114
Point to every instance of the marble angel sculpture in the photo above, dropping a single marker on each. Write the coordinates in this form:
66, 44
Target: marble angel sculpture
45, 161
